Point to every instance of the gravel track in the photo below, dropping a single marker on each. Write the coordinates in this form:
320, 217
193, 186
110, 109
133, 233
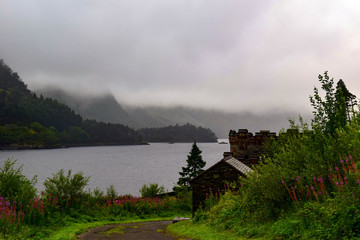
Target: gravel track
131, 231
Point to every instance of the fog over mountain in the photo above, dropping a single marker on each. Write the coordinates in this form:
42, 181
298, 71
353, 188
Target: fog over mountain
104, 107
236, 56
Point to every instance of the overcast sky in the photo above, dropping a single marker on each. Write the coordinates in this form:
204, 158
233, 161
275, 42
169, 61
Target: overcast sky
255, 55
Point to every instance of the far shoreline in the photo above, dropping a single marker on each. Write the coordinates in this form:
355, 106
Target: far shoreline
19, 147
43, 147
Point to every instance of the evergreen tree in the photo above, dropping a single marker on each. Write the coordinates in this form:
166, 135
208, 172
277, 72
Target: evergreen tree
349, 99
194, 167
334, 111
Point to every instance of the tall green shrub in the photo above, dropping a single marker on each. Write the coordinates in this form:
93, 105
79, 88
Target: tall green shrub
14, 185
111, 192
151, 190
336, 109
67, 188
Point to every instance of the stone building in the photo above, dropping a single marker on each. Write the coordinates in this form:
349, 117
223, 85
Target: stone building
246, 150
216, 178
246, 147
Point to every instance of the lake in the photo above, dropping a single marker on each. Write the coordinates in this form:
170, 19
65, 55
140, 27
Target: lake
128, 168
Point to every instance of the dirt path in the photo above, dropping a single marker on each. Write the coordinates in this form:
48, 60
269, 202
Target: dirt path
130, 231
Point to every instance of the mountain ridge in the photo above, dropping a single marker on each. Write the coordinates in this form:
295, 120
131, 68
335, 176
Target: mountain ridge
106, 108
29, 121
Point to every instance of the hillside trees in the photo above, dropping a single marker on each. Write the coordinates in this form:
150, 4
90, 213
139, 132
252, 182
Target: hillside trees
184, 133
31, 121
108, 133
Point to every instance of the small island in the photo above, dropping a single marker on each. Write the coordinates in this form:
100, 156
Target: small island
178, 134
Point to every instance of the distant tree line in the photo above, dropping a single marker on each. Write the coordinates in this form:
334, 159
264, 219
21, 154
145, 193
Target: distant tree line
185, 133
26, 119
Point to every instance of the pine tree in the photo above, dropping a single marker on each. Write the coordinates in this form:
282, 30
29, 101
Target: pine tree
336, 110
349, 99
194, 167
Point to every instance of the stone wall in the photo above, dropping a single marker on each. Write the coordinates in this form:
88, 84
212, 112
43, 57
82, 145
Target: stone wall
213, 180
246, 147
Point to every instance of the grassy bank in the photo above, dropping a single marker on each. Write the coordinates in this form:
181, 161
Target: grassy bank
70, 222
64, 209
309, 188
203, 231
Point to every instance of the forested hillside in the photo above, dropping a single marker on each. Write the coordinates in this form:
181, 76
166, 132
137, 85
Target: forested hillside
104, 107
29, 121
185, 133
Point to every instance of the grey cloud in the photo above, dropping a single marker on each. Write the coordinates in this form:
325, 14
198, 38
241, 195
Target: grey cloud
233, 55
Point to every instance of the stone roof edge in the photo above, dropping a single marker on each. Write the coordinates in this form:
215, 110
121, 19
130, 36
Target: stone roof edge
222, 160
238, 162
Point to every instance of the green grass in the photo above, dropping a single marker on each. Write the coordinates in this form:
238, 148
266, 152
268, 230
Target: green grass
203, 231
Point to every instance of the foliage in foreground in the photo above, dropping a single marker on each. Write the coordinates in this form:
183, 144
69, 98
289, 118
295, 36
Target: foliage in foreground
151, 190
308, 187
65, 202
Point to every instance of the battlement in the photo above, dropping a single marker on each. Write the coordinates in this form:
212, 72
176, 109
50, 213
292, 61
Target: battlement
248, 147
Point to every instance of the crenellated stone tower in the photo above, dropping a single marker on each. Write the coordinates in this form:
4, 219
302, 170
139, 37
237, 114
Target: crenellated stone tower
246, 147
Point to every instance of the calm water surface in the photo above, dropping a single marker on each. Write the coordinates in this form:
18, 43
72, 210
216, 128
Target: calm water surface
125, 167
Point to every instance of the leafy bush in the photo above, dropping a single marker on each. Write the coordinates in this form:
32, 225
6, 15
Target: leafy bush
111, 192
67, 188
64, 202
297, 160
151, 190
14, 185
97, 193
